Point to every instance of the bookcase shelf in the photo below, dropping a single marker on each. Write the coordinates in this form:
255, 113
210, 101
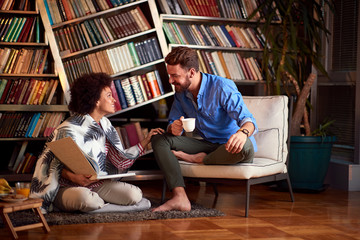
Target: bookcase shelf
24, 44
18, 12
25, 75
98, 14
33, 108
216, 48
106, 45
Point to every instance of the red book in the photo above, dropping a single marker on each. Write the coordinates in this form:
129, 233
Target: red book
27, 94
153, 85
26, 29
243, 68
114, 95
67, 9
146, 86
18, 91
12, 91
132, 134
6, 90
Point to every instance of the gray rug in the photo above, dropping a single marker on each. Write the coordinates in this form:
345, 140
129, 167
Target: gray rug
61, 218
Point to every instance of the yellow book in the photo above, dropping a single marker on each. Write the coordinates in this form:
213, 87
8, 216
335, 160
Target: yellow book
33, 92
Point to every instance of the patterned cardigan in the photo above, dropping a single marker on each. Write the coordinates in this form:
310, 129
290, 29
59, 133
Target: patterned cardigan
91, 139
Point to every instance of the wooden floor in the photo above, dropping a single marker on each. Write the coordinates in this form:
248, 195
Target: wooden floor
331, 214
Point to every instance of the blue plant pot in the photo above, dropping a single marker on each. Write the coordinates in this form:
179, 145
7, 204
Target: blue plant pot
309, 161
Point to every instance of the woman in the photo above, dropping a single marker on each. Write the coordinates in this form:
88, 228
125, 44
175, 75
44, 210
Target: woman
91, 100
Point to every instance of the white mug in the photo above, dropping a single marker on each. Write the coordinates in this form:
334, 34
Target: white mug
188, 124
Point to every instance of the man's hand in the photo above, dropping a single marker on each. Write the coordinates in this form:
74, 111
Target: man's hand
236, 142
176, 128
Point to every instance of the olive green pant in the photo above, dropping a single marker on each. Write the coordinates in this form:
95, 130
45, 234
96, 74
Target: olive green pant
216, 155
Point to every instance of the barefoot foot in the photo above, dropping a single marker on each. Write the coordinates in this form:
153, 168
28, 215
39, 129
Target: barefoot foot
179, 201
192, 158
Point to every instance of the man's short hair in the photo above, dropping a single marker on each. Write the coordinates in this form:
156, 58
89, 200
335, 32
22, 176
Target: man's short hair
186, 57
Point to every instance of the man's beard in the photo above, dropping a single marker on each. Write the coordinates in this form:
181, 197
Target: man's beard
182, 87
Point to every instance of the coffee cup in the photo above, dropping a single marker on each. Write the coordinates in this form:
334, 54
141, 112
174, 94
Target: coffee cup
188, 124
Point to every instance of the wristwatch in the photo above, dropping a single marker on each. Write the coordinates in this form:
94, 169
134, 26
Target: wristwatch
245, 131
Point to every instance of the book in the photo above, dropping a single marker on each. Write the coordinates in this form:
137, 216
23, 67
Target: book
132, 134
120, 93
135, 85
128, 92
70, 154
153, 85
115, 96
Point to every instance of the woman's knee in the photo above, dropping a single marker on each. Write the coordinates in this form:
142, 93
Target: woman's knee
133, 195
79, 199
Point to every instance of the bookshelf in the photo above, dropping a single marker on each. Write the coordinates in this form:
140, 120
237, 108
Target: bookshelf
114, 42
233, 43
25, 60
111, 46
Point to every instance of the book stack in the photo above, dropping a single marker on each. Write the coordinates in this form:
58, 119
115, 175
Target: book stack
241, 9
131, 134
230, 65
27, 91
19, 29
214, 35
139, 88
64, 10
23, 60
114, 60
23, 5
97, 31
29, 124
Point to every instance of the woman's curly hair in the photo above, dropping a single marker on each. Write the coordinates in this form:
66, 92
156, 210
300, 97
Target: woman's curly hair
86, 91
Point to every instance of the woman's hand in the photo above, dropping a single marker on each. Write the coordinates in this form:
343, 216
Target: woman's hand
152, 132
79, 179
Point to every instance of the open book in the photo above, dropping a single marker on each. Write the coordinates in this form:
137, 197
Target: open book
69, 153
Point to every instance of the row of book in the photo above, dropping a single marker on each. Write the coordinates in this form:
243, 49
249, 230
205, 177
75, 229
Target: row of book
26, 164
23, 60
131, 134
29, 124
214, 35
23, 5
240, 9
19, 29
230, 65
27, 91
64, 10
114, 60
98, 31
137, 89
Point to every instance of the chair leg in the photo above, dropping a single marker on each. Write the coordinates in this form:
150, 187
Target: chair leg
214, 185
290, 188
163, 191
247, 198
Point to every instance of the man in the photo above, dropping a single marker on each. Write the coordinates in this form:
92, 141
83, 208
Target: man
222, 120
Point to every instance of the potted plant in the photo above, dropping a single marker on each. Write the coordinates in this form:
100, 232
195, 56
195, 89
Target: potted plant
294, 31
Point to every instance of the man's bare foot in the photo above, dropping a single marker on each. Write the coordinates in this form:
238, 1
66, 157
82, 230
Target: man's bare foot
192, 158
179, 201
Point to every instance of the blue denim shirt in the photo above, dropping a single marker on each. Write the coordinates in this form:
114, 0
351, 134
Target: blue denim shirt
220, 110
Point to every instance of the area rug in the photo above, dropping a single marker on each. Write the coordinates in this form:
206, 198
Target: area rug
60, 218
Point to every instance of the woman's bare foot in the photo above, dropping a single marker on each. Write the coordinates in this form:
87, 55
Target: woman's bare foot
192, 158
179, 201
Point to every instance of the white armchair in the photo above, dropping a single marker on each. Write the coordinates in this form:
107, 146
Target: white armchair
270, 161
